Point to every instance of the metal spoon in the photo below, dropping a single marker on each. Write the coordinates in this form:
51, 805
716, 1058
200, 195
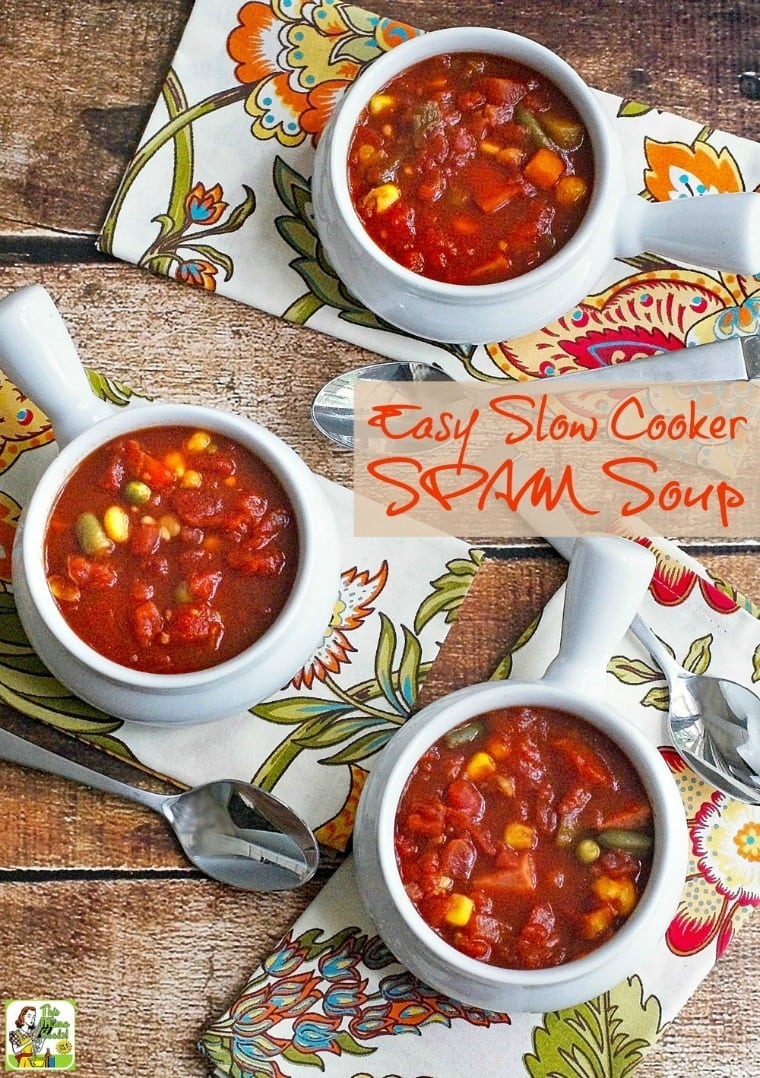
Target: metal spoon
232, 831
714, 723
332, 410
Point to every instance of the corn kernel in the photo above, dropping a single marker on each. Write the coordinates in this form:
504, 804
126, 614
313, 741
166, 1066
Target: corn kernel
366, 153
488, 147
182, 593
116, 524
191, 479
170, 525
511, 156
519, 836
459, 910
480, 766
175, 462
380, 102
505, 784
621, 894
383, 197
198, 442
570, 189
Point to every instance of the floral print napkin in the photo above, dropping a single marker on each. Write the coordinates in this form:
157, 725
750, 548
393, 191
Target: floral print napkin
218, 190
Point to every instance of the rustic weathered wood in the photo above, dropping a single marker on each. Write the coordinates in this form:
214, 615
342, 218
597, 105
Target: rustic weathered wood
115, 917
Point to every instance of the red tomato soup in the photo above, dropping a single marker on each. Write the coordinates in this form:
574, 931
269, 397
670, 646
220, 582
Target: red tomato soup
171, 549
470, 168
524, 837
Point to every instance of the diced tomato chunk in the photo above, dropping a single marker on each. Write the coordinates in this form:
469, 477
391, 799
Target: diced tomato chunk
86, 573
538, 944
198, 507
589, 764
501, 91
147, 622
148, 469
635, 816
463, 794
194, 623
458, 857
251, 560
144, 538
426, 819
203, 585
434, 908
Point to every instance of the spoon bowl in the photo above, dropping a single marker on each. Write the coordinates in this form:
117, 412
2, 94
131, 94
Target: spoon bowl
332, 410
232, 831
714, 723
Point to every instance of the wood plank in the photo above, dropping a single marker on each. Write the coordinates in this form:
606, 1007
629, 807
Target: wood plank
77, 84
147, 964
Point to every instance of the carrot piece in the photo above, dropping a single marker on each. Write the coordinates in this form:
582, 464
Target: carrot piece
544, 168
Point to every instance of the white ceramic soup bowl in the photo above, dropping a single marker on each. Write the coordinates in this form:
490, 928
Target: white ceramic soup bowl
37, 354
720, 231
607, 579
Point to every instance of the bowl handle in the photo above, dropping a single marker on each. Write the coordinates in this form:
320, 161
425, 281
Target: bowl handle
607, 579
721, 231
40, 358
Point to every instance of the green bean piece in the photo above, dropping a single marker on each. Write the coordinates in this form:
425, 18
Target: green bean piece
587, 851
565, 133
528, 120
91, 536
137, 492
631, 841
463, 735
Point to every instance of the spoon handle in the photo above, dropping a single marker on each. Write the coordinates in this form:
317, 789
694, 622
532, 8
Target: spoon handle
602, 566
564, 546
17, 750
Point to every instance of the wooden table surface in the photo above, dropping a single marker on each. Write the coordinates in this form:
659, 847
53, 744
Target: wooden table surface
96, 902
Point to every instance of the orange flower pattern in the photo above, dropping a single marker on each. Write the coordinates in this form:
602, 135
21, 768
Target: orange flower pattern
204, 207
357, 591
298, 58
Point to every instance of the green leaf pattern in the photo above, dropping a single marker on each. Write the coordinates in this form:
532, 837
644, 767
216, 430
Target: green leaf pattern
354, 722
594, 1039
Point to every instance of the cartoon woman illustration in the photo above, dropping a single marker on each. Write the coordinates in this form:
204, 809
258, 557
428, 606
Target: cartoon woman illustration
24, 1043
